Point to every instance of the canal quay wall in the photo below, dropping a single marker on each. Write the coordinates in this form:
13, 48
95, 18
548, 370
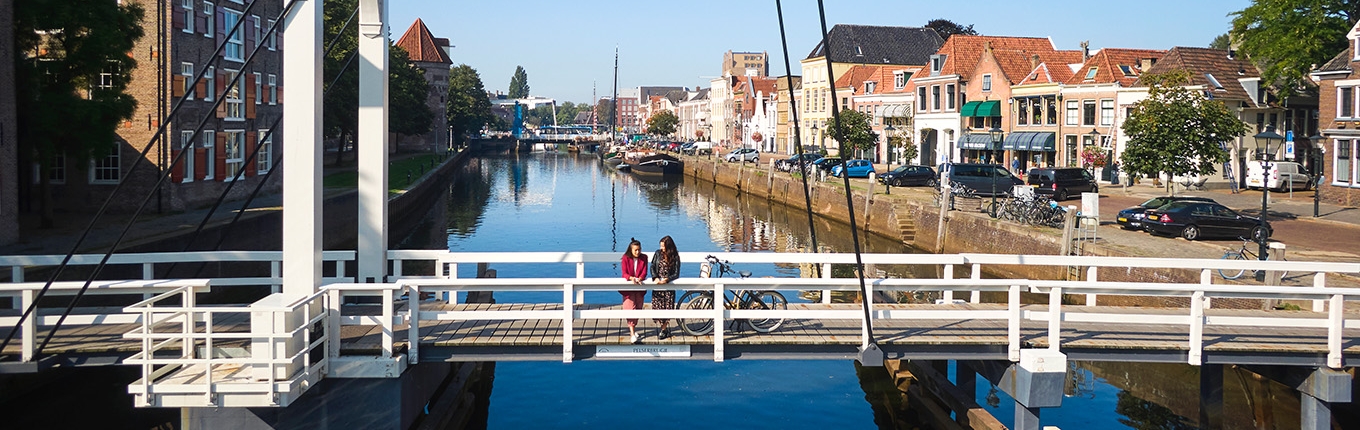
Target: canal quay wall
906, 216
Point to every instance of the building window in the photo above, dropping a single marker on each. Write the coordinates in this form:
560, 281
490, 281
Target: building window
188, 12
259, 84
273, 89
209, 157
1107, 112
187, 71
1345, 162
1071, 149
271, 35
56, 172
208, 23
255, 22
1088, 112
209, 84
1051, 107
934, 97
1071, 112
234, 153
869, 87
950, 97
186, 144
1091, 73
1345, 102
235, 48
236, 108
1022, 111
107, 76
986, 82
264, 157
899, 80
921, 99
108, 169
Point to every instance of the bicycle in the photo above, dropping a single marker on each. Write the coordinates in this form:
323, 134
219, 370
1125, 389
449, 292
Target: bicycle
1245, 253
956, 191
736, 299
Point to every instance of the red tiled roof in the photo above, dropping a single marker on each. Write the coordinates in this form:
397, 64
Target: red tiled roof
1017, 64
1108, 64
965, 51
856, 77
1201, 61
422, 45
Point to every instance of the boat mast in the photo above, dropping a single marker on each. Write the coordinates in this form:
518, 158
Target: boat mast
614, 100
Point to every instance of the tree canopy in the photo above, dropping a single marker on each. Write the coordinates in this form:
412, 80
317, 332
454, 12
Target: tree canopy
1221, 41
1177, 131
408, 94
604, 111
662, 123
854, 132
468, 107
1287, 38
948, 28
519, 84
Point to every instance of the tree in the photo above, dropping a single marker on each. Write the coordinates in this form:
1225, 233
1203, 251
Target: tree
662, 123
1221, 41
540, 116
1287, 38
519, 84
604, 112
1177, 131
854, 132
72, 67
909, 151
408, 94
468, 107
948, 28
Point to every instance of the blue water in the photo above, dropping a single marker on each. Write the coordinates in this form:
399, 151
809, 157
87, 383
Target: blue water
564, 202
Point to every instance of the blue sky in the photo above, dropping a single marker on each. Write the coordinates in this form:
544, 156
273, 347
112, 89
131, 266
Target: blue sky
565, 45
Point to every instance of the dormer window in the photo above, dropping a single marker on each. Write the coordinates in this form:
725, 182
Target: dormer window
869, 87
900, 80
937, 64
1128, 70
1213, 81
1091, 73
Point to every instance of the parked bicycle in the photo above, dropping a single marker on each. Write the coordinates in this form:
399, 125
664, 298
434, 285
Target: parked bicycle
1245, 253
956, 191
1030, 209
735, 299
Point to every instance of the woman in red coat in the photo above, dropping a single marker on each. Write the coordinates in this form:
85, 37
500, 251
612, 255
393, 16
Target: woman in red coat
634, 264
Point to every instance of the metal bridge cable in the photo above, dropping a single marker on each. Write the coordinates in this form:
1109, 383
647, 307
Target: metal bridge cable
797, 131
849, 201
223, 195
161, 177
223, 237
155, 137
334, 40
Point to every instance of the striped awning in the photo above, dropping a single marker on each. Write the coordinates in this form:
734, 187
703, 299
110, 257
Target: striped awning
977, 141
896, 111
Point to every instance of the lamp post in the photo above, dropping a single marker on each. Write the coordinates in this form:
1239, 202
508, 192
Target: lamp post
1316, 139
818, 138
1263, 141
997, 135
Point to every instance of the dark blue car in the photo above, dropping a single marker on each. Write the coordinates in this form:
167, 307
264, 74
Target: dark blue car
1132, 218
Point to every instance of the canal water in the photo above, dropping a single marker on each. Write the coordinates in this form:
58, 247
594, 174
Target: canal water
568, 202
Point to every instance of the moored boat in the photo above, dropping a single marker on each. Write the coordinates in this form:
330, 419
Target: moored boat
658, 165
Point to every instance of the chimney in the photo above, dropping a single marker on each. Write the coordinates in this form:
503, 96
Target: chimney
1232, 54
1085, 50
1034, 61
1146, 63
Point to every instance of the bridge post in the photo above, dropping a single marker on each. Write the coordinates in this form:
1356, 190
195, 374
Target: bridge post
302, 217
1035, 382
372, 141
1211, 396
1318, 389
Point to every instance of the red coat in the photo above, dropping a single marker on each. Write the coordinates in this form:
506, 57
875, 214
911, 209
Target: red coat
634, 267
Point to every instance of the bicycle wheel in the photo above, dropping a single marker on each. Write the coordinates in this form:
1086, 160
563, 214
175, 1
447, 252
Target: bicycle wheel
767, 300
1232, 273
696, 300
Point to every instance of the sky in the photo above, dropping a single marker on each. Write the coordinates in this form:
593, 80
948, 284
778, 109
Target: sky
567, 46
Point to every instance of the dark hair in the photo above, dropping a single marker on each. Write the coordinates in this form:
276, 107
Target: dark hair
671, 255
627, 252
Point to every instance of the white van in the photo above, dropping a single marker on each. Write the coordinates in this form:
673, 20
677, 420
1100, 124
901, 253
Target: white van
1284, 175
700, 148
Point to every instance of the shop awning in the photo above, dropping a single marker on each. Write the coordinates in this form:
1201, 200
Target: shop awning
978, 141
983, 109
1042, 141
896, 111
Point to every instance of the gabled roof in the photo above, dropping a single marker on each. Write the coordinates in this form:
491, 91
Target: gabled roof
676, 96
1046, 75
1116, 65
1340, 63
963, 51
1203, 62
1017, 64
856, 76
879, 44
422, 45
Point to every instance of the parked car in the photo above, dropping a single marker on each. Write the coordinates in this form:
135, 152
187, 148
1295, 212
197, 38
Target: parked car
910, 175
1061, 183
743, 154
797, 161
983, 179
1194, 220
1132, 218
856, 168
826, 163
1284, 175
701, 148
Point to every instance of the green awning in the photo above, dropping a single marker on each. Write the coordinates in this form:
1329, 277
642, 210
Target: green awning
1030, 141
982, 109
977, 141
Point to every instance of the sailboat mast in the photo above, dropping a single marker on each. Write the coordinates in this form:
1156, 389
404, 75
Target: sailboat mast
614, 100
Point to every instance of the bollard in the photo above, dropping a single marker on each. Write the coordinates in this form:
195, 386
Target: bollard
408, 178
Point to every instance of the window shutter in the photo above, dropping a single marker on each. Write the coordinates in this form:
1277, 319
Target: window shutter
249, 28
177, 173
177, 20
220, 157
279, 90
250, 96
201, 88
177, 86
250, 149
221, 24
221, 94
200, 21
200, 163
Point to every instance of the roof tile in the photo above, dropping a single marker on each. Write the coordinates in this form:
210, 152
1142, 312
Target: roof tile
422, 45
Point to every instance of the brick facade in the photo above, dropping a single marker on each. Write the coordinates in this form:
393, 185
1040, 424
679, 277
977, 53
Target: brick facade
1341, 130
9, 156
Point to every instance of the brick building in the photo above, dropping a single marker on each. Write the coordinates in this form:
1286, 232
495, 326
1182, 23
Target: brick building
430, 55
9, 156
1339, 124
745, 64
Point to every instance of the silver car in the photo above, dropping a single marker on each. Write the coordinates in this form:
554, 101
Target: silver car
743, 154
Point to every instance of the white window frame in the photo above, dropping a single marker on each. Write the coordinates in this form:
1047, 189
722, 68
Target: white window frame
1341, 102
210, 84
1350, 159
259, 85
1073, 113
234, 154
1106, 112
935, 98
922, 102
255, 22
112, 164
1091, 73
271, 36
899, 80
209, 157
186, 70
208, 10
987, 82
273, 89
236, 105
1095, 117
235, 43
951, 98
190, 12
186, 144
56, 172
264, 156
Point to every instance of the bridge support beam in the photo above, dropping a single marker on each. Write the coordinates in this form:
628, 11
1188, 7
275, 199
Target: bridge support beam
1318, 389
302, 148
1211, 396
1035, 382
372, 141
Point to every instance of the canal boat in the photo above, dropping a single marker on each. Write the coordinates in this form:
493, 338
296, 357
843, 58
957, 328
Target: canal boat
658, 165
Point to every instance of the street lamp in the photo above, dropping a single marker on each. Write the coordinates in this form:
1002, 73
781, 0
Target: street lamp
1316, 139
997, 135
1263, 141
819, 139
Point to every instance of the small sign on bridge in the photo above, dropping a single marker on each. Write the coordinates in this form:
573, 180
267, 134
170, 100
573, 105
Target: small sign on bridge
642, 351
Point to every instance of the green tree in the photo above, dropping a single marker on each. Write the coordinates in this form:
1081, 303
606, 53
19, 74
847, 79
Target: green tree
1221, 41
948, 28
1286, 38
540, 116
519, 84
72, 66
468, 107
1177, 131
854, 133
662, 123
909, 150
604, 112
408, 94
